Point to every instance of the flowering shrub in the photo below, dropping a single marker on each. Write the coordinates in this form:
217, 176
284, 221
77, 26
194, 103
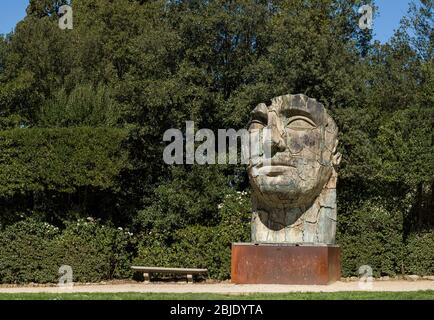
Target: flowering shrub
32, 251
94, 251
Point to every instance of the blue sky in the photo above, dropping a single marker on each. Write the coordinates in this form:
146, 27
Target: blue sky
390, 13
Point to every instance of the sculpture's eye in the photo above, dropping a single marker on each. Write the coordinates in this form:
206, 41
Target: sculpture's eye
300, 123
256, 125
300, 134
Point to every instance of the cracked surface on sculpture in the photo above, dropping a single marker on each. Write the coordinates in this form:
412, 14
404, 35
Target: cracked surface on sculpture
294, 187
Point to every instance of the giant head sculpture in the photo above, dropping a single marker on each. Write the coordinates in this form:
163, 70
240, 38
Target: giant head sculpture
294, 182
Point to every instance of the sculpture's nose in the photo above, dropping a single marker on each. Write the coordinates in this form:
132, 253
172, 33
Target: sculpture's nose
277, 134
278, 142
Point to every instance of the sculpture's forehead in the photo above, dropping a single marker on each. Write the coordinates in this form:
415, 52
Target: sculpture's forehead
291, 105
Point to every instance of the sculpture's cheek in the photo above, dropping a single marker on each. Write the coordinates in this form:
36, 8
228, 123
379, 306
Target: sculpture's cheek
295, 145
300, 140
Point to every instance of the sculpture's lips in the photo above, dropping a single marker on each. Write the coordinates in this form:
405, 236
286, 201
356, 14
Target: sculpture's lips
276, 162
273, 171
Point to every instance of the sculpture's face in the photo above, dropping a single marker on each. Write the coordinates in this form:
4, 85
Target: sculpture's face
302, 139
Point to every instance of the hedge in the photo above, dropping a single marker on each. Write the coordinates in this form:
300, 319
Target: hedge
419, 257
61, 159
32, 251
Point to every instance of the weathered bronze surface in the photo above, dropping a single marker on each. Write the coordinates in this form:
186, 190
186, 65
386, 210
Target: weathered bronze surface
294, 182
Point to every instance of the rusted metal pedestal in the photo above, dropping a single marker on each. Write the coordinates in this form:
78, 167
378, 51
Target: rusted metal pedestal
285, 264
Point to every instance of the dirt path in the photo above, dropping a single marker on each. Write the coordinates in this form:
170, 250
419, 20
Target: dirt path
226, 288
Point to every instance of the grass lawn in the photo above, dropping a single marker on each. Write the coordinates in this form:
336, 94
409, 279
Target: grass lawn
417, 295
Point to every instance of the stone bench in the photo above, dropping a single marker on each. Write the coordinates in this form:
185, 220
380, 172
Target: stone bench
147, 271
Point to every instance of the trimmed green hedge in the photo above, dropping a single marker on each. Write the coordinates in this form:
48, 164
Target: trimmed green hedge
419, 257
28, 253
61, 159
32, 251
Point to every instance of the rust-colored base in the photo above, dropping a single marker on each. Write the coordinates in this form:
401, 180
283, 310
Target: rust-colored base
285, 264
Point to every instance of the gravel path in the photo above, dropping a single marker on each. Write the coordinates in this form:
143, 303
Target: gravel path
226, 288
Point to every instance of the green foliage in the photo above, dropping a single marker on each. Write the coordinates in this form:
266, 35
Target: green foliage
44, 8
95, 252
33, 251
84, 106
3, 53
201, 246
188, 197
148, 66
419, 258
27, 253
387, 167
12, 121
371, 234
33, 160
39, 60
407, 150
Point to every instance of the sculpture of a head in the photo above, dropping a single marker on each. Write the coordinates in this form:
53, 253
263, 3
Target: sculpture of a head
303, 141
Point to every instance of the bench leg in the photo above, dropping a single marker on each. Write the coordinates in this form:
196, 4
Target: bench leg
189, 278
147, 277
